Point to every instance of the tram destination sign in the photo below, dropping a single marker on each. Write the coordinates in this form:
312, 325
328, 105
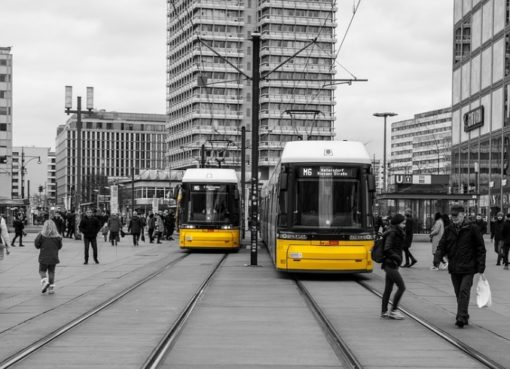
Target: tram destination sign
323, 172
474, 119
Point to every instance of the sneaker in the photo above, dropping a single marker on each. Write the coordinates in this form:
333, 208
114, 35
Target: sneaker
51, 289
385, 315
44, 285
396, 315
434, 268
443, 266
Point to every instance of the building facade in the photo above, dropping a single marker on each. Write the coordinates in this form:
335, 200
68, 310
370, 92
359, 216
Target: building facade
422, 145
114, 146
209, 90
481, 102
5, 122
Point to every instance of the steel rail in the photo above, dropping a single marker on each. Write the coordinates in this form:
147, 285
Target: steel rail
168, 340
24, 353
344, 351
470, 351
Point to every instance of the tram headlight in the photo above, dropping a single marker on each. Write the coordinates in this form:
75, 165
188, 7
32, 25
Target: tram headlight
228, 226
188, 226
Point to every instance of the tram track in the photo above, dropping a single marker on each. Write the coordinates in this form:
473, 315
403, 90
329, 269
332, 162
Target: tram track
339, 346
468, 350
29, 350
166, 343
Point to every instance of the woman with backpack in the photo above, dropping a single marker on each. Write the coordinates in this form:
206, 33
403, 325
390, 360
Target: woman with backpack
394, 240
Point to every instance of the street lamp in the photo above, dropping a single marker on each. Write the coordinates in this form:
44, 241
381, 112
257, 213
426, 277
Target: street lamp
385, 115
78, 112
23, 168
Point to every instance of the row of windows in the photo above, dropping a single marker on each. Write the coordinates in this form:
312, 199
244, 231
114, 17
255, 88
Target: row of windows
5, 110
5, 78
289, 12
297, 28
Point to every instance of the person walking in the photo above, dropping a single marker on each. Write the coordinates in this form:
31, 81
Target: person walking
4, 238
151, 225
89, 226
19, 226
71, 224
394, 240
481, 224
170, 225
497, 237
464, 245
505, 235
435, 235
160, 226
114, 225
135, 226
49, 242
410, 259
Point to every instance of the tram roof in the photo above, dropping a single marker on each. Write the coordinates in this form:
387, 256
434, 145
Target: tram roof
209, 175
325, 151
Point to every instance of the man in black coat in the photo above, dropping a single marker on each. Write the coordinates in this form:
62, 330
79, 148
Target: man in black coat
497, 237
410, 259
90, 226
463, 243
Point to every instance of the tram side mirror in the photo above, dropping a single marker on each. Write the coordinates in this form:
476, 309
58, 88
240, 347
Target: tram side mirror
283, 182
371, 182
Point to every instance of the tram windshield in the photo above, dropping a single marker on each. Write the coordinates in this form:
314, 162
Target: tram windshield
212, 203
328, 197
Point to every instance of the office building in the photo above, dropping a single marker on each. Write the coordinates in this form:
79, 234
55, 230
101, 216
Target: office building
421, 145
5, 122
209, 92
114, 146
481, 102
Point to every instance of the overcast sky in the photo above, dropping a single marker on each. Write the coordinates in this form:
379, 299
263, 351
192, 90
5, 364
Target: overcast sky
403, 48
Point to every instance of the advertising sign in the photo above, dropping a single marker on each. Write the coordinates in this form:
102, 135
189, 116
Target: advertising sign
114, 199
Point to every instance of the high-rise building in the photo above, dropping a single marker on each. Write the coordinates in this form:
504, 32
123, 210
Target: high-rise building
114, 146
209, 92
422, 145
5, 122
481, 102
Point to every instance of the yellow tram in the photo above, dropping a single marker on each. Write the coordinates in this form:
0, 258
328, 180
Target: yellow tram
208, 205
316, 208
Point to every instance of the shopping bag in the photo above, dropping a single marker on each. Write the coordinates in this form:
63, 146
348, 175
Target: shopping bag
483, 292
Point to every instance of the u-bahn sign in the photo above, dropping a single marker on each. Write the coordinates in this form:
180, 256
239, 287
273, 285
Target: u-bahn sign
473, 119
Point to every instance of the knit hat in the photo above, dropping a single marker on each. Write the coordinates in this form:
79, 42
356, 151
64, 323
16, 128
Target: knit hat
499, 214
397, 219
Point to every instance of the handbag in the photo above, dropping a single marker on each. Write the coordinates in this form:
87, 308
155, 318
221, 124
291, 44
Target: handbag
483, 292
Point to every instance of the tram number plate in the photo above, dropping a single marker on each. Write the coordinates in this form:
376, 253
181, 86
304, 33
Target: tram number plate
329, 243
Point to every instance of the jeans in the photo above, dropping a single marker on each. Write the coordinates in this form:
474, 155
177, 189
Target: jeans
136, 237
392, 277
51, 272
92, 242
462, 286
20, 235
505, 254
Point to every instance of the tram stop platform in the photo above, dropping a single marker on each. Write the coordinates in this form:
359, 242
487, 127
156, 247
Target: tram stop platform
249, 317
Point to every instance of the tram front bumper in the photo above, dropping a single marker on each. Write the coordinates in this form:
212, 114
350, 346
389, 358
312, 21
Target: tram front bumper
209, 238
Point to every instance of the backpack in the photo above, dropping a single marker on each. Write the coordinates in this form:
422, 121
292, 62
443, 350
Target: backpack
377, 252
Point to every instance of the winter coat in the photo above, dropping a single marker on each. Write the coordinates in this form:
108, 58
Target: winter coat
18, 225
464, 247
90, 226
394, 240
114, 224
496, 229
49, 247
436, 233
152, 222
505, 233
482, 226
409, 232
160, 227
135, 225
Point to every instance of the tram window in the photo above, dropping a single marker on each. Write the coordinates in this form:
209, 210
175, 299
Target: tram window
327, 203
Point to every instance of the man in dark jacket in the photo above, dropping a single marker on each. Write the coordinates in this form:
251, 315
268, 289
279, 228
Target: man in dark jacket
497, 237
410, 259
481, 224
18, 225
506, 240
90, 226
465, 248
135, 227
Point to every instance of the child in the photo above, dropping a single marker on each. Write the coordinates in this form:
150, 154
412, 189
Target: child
49, 242
4, 240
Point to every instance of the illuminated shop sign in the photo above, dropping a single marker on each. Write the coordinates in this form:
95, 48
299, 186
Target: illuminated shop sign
473, 119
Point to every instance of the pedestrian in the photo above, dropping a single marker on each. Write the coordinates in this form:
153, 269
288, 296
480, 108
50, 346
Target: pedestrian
71, 224
394, 240
19, 226
464, 245
497, 237
435, 235
151, 225
135, 226
481, 224
160, 226
4, 238
89, 226
49, 242
114, 225
506, 240
410, 259
171, 225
